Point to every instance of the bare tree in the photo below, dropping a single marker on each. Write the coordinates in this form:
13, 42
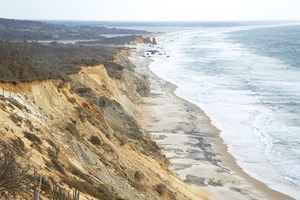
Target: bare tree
14, 167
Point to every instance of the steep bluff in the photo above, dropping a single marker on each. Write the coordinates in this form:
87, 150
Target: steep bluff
85, 134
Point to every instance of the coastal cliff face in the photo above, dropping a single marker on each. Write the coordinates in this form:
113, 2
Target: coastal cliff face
85, 134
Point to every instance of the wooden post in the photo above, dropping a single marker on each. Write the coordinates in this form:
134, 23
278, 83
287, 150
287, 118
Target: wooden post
54, 191
38, 195
78, 195
34, 184
59, 193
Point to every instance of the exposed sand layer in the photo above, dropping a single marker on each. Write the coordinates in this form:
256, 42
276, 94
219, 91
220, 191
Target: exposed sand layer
65, 116
197, 153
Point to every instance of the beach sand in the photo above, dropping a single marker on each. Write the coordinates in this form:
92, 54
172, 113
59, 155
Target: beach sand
197, 153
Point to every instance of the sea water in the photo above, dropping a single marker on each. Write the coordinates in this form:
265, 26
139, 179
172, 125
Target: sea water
247, 80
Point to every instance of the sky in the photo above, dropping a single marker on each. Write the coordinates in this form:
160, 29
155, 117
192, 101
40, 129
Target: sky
152, 10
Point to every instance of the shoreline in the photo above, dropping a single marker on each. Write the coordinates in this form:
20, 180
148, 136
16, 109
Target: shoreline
193, 145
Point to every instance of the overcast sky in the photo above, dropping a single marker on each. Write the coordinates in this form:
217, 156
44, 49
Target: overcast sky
152, 10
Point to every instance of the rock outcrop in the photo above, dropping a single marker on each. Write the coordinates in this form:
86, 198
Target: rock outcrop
147, 40
154, 41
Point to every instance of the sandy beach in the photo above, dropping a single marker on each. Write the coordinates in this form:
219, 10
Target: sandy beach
192, 144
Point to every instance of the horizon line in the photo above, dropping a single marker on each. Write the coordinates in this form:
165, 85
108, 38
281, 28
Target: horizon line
154, 21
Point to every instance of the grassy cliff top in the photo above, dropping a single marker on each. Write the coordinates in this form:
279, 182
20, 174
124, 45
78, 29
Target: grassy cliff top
30, 61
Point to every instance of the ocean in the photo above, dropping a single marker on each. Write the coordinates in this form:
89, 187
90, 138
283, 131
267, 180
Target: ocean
247, 80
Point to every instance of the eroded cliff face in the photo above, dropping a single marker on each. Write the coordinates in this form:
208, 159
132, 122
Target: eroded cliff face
90, 135
147, 40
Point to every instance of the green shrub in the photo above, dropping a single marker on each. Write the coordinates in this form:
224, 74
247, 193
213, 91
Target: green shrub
18, 144
32, 137
160, 188
36, 146
99, 191
46, 186
73, 121
53, 145
81, 113
138, 176
72, 129
57, 165
75, 171
121, 138
95, 140
52, 154
16, 119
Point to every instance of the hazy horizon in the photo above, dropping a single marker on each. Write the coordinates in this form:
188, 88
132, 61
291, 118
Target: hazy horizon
154, 11
147, 21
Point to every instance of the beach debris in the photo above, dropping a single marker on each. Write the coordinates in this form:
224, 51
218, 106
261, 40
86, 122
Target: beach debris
153, 51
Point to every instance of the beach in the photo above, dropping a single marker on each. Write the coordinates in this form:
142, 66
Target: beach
193, 145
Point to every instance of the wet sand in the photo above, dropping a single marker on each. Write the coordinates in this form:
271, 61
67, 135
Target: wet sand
197, 153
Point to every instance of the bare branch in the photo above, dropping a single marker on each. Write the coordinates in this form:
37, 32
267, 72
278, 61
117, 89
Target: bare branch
14, 166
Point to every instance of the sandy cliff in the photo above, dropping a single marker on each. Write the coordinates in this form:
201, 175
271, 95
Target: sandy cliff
90, 138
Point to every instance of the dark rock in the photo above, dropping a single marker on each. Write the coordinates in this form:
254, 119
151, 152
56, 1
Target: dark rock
154, 41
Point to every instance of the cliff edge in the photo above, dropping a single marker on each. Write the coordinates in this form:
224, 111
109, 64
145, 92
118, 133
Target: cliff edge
84, 134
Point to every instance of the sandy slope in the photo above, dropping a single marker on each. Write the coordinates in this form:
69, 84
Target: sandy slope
65, 115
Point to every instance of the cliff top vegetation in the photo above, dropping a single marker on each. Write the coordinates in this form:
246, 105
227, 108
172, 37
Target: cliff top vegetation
30, 61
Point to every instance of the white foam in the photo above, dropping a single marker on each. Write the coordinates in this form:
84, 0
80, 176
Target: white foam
217, 75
